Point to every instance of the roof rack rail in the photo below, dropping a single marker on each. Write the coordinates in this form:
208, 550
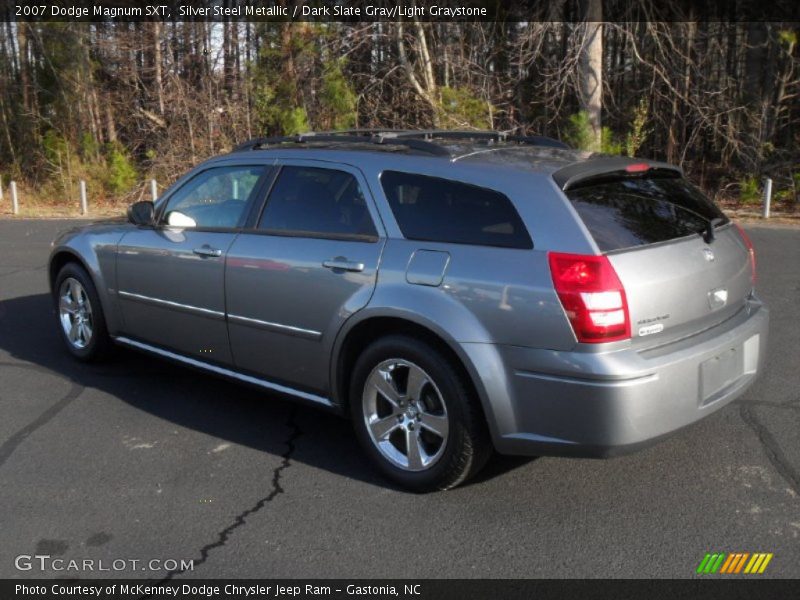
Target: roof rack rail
376, 137
489, 136
420, 140
430, 134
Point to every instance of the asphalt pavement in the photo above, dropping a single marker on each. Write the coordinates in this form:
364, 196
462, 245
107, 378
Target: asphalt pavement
139, 459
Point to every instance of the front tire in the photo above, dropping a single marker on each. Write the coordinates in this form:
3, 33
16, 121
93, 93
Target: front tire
80, 317
416, 417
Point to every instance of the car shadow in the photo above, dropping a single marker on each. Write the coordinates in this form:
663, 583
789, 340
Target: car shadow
199, 401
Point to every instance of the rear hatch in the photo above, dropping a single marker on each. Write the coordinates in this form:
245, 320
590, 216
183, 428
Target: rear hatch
684, 267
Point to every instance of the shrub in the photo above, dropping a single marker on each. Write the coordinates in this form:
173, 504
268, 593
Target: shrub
121, 174
608, 143
636, 136
461, 108
749, 191
579, 132
337, 97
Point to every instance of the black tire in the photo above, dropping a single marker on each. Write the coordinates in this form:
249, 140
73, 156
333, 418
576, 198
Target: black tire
467, 445
99, 345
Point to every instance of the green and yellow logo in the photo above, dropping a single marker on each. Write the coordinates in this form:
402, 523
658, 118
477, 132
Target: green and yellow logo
734, 563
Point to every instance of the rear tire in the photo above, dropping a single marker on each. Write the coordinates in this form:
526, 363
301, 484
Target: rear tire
79, 315
416, 417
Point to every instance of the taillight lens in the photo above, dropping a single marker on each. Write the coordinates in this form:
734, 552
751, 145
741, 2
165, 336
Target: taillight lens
592, 296
750, 250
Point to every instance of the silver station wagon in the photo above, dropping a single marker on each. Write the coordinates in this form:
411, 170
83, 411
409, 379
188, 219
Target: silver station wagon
454, 293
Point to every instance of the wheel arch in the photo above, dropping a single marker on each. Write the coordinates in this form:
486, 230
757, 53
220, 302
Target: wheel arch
59, 259
64, 255
360, 333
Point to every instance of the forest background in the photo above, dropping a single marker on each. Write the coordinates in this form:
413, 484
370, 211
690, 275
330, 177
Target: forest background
118, 103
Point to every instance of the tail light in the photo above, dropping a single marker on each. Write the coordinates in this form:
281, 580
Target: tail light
592, 296
750, 250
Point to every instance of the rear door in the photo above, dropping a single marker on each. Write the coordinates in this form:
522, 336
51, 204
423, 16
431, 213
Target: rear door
310, 262
684, 266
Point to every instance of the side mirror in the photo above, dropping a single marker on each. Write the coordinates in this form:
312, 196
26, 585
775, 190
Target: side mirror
141, 213
178, 219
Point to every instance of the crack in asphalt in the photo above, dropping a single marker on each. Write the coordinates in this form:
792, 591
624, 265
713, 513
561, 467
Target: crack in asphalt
240, 519
14, 272
772, 449
21, 270
11, 444
791, 405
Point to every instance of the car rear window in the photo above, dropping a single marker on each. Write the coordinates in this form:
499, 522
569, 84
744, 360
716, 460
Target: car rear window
627, 212
442, 210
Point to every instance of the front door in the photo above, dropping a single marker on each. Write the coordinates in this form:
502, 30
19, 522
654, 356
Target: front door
171, 277
310, 263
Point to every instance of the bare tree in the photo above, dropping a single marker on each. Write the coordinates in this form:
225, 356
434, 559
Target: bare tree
591, 67
105, 99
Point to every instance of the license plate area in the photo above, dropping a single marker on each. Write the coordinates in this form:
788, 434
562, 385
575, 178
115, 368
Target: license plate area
718, 373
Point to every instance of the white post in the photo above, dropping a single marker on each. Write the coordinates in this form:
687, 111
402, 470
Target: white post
84, 206
767, 196
154, 189
14, 200
1, 188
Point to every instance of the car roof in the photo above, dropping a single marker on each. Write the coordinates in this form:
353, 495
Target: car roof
508, 156
478, 150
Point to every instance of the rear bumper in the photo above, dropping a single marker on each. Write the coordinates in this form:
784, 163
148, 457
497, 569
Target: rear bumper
602, 404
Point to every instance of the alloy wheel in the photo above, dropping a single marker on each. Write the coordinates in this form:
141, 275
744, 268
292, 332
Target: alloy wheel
405, 415
75, 313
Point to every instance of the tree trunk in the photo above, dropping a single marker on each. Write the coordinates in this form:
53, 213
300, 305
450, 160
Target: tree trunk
591, 68
24, 66
111, 126
227, 53
7, 132
428, 92
158, 78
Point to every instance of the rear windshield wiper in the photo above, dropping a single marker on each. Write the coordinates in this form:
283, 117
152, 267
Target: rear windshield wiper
708, 230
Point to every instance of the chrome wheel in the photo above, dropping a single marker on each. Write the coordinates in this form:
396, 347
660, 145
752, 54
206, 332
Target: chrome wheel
75, 313
405, 415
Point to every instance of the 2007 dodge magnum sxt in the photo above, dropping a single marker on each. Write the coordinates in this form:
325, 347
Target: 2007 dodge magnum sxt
453, 292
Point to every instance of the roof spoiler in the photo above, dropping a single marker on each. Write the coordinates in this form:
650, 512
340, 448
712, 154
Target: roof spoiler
582, 173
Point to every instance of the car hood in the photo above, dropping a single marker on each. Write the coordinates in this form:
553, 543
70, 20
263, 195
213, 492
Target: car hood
97, 226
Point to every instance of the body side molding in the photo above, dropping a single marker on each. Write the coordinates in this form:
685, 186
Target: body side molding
319, 400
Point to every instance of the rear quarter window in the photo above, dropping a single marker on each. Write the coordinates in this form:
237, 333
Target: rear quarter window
623, 213
442, 210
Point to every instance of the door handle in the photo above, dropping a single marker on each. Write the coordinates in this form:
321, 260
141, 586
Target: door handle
206, 250
342, 264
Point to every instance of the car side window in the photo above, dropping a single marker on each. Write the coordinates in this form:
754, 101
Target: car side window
317, 202
216, 197
442, 210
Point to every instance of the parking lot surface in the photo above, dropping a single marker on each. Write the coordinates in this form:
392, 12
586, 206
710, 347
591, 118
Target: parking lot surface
139, 459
